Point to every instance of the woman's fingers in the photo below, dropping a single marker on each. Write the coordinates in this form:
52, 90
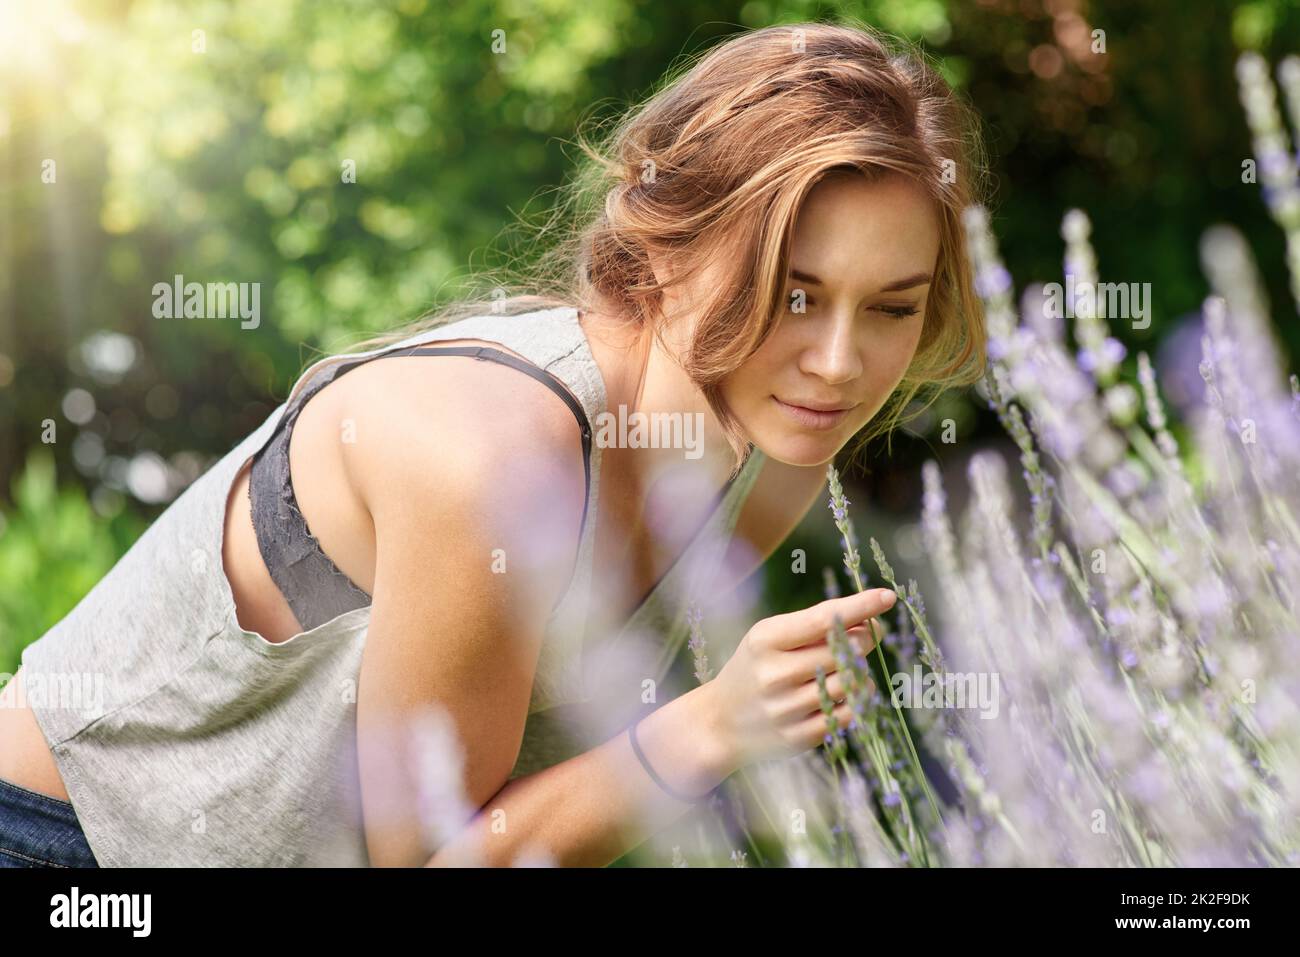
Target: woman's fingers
798, 628
806, 699
811, 731
801, 664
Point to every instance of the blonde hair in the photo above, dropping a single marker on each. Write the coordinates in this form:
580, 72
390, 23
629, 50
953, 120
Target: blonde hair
726, 151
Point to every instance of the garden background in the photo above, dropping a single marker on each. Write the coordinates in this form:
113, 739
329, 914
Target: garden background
222, 164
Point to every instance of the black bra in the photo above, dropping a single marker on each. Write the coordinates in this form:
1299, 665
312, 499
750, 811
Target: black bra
315, 588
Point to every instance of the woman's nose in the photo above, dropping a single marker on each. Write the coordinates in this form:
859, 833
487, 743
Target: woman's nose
834, 356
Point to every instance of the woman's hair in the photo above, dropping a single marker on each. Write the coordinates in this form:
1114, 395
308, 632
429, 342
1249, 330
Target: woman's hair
714, 167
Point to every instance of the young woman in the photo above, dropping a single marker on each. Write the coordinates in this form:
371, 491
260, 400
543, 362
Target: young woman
454, 529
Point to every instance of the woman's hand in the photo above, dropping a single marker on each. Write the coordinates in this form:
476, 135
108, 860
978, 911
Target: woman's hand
766, 699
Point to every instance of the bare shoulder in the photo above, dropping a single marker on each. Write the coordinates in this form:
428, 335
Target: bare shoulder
470, 447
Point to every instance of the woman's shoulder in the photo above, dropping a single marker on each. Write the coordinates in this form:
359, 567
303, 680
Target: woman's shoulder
477, 434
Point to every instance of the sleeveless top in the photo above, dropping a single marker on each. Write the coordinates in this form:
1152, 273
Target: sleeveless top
315, 588
204, 744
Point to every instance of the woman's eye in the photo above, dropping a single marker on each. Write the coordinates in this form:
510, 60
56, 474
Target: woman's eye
797, 298
899, 312
799, 301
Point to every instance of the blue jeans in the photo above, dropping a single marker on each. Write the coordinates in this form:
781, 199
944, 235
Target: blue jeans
37, 830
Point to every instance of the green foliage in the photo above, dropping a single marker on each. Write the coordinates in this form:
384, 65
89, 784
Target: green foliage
53, 548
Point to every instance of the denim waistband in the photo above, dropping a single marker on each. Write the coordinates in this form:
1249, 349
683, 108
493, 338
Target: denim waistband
37, 830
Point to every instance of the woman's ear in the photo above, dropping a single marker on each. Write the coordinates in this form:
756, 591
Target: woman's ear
662, 270
674, 299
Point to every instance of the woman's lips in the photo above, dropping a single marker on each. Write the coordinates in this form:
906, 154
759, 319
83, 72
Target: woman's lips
811, 418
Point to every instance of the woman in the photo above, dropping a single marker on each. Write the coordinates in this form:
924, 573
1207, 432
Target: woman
779, 256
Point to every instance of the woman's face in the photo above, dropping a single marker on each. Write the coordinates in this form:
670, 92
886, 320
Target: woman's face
860, 270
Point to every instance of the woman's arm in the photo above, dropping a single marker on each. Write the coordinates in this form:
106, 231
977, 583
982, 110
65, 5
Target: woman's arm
472, 475
590, 810
764, 703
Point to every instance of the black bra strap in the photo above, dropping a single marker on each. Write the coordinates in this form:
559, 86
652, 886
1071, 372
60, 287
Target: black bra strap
485, 353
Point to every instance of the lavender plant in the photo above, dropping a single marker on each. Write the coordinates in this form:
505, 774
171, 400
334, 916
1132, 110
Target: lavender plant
1142, 630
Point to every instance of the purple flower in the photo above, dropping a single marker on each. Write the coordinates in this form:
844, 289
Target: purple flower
1123, 480
992, 280
1113, 350
1067, 438
1273, 163
1046, 585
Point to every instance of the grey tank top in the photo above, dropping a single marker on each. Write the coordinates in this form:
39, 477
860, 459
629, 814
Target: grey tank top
204, 744
315, 588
